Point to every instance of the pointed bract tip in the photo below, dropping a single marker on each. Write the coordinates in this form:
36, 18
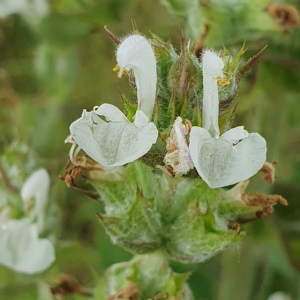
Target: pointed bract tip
112, 36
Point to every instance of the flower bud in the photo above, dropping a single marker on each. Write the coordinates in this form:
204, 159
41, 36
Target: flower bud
145, 277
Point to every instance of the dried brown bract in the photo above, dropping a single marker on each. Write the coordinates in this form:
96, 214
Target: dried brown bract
96, 171
286, 15
68, 286
266, 202
71, 175
131, 292
235, 226
269, 171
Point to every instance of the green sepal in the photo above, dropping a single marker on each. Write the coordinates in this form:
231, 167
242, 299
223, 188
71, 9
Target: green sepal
138, 230
186, 109
227, 94
146, 210
165, 57
131, 108
193, 234
235, 211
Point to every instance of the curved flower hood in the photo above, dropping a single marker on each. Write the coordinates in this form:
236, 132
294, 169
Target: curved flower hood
118, 141
233, 157
136, 53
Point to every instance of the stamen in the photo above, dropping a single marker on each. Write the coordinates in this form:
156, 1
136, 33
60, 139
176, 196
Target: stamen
76, 153
222, 81
116, 68
120, 71
71, 155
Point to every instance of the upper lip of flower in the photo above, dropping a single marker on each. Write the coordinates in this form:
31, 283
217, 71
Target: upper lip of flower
136, 53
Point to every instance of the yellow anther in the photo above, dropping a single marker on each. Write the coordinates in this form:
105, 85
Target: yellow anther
222, 81
118, 69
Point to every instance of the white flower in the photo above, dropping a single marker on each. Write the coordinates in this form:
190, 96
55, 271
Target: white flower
233, 157
279, 296
178, 155
31, 10
34, 193
22, 250
118, 141
20, 247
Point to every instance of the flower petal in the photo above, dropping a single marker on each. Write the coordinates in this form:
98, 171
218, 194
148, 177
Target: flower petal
219, 163
140, 119
22, 250
136, 53
110, 112
235, 134
112, 144
212, 68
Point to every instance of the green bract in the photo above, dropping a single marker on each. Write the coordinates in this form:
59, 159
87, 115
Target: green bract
145, 211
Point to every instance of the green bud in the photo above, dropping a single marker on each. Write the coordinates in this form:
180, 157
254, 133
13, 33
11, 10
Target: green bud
145, 277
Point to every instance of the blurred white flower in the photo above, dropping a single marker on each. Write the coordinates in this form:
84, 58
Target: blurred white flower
233, 157
118, 141
22, 250
279, 296
34, 194
31, 10
4, 214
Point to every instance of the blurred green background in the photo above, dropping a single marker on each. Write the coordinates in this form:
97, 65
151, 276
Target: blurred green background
56, 59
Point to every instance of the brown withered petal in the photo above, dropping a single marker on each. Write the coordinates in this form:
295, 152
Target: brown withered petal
269, 171
286, 15
188, 125
131, 292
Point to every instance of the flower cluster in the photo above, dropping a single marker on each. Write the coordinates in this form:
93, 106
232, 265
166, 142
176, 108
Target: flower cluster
220, 161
